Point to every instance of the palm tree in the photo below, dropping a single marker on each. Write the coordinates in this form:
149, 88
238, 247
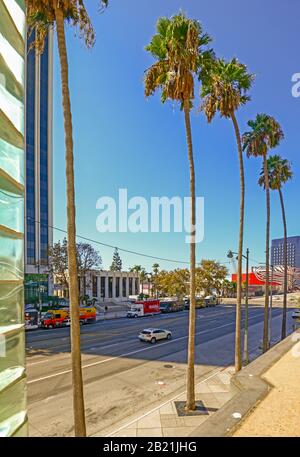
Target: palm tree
177, 48
224, 89
143, 277
265, 134
155, 269
41, 15
280, 172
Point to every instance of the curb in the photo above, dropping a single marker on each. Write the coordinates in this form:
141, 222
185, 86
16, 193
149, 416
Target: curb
252, 389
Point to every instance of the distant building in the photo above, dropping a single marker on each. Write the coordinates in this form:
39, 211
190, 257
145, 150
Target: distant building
293, 252
105, 285
256, 285
38, 177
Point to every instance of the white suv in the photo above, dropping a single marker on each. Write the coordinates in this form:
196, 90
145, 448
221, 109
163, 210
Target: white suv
152, 335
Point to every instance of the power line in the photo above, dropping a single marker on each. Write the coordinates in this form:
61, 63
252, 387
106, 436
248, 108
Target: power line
255, 261
128, 251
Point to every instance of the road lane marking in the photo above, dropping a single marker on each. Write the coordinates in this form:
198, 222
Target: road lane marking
100, 362
122, 342
90, 348
90, 340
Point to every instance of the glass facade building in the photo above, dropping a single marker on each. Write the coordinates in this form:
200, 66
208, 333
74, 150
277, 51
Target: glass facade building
38, 188
13, 417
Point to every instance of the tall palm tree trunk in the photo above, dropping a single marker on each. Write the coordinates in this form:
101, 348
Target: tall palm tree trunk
285, 284
267, 287
238, 356
78, 400
190, 404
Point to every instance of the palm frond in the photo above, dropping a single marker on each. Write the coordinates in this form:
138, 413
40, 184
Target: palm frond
178, 45
265, 134
224, 86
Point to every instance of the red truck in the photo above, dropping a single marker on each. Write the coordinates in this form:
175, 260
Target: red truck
144, 308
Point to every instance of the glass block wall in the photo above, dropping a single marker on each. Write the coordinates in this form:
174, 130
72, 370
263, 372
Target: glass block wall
13, 418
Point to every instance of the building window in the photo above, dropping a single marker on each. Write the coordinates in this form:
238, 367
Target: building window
102, 287
118, 287
110, 287
95, 286
124, 287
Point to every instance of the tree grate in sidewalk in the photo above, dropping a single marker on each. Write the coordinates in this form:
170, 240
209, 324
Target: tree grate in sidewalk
200, 410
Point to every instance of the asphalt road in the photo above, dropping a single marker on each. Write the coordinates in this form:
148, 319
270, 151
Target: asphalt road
123, 376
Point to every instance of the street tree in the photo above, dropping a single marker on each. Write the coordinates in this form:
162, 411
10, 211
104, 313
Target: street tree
116, 262
88, 258
210, 276
225, 90
265, 134
177, 48
173, 283
280, 172
58, 263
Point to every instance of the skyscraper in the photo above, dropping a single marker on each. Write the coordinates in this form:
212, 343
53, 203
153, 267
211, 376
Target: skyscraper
39, 192
293, 251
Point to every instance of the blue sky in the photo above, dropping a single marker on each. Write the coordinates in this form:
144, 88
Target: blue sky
123, 140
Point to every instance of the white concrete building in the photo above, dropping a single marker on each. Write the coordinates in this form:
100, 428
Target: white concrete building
104, 285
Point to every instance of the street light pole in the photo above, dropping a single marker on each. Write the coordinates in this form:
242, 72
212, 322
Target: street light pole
246, 352
271, 306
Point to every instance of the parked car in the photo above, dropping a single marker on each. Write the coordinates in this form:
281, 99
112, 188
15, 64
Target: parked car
152, 335
171, 306
200, 303
211, 300
31, 318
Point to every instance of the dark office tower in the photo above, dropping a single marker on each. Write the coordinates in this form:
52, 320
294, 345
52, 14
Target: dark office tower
39, 192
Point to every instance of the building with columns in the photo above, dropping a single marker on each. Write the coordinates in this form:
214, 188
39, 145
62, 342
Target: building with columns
104, 285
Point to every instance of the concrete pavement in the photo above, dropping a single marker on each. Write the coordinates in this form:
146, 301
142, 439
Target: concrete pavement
259, 407
278, 415
214, 391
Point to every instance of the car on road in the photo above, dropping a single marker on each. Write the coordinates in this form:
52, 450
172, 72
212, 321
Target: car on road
152, 335
296, 314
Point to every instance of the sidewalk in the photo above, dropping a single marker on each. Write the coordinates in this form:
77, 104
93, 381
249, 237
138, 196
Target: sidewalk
279, 413
111, 315
163, 420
